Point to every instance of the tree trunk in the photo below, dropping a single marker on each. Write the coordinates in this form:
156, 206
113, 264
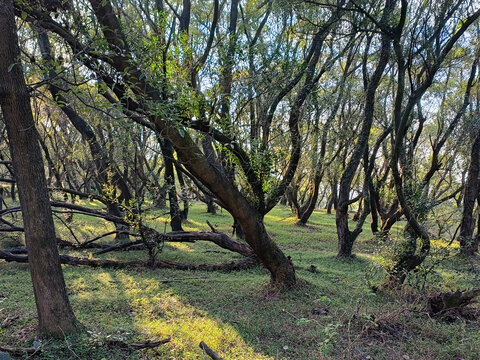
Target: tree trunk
332, 200
160, 198
55, 314
345, 242
373, 210
249, 217
12, 192
183, 193
467, 242
175, 213
211, 208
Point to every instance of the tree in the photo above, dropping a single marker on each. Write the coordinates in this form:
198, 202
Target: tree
164, 93
402, 169
346, 237
469, 243
55, 314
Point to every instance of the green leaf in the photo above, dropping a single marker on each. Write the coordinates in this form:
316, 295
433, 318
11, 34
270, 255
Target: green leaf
10, 67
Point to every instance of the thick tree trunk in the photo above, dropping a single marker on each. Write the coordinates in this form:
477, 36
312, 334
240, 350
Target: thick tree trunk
55, 314
468, 244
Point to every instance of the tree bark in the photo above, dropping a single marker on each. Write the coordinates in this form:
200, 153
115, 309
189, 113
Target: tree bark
55, 314
468, 245
175, 212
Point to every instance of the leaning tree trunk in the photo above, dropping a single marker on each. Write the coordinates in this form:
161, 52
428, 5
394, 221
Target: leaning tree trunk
55, 314
468, 245
249, 217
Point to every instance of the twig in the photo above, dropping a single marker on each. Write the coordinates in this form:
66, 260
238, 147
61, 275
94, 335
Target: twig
212, 227
138, 345
106, 234
207, 350
18, 351
68, 227
119, 247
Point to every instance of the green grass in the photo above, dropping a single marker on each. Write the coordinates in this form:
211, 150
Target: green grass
236, 313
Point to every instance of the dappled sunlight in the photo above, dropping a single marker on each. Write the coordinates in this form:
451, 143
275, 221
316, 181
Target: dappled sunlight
180, 246
444, 243
270, 217
290, 220
158, 313
368, 257
235, 313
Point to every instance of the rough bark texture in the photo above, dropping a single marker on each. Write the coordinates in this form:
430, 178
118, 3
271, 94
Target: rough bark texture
468, 244
175, 213
54, 312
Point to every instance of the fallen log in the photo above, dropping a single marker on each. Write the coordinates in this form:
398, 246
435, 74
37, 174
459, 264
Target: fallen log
63, 244
217, 237
118, 247
18, 250
243, 264
445, 301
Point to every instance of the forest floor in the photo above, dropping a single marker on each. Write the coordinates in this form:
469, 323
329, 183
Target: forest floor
333, 313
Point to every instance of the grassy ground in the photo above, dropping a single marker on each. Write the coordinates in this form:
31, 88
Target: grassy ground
236, 313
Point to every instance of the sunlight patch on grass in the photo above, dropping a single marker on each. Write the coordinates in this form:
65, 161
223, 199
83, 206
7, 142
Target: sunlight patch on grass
290, 220
160, 313
199, 226
274, 217
180, 246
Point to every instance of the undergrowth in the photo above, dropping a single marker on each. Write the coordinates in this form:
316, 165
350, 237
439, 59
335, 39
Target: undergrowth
333, 313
